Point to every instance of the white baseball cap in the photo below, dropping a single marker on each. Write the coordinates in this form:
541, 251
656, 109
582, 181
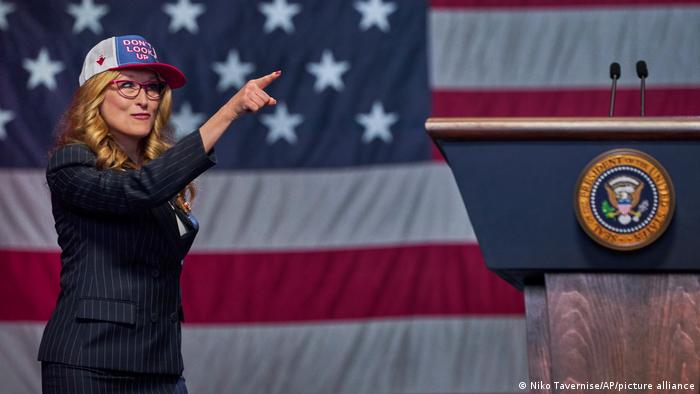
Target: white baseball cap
117, 53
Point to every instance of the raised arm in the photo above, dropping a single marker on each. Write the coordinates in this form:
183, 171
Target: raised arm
74, 179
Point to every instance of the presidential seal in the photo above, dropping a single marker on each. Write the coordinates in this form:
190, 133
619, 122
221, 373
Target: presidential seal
624, 199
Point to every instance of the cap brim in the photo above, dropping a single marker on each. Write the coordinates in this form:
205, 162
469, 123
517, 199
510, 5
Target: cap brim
170, 74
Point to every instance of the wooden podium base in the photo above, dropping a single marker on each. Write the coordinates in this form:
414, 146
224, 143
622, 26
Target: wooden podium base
622, 328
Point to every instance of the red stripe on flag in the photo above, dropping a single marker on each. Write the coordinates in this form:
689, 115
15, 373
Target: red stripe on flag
28, 284
348, 284
553, 3
592, 102
297, 286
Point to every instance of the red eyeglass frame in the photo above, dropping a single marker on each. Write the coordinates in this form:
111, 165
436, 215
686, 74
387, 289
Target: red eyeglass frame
141, 86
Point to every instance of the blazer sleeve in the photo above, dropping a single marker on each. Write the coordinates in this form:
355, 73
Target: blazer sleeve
73, 178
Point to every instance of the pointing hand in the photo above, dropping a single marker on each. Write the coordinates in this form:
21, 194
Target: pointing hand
252, 96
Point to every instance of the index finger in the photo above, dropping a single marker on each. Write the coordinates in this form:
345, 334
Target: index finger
263, 82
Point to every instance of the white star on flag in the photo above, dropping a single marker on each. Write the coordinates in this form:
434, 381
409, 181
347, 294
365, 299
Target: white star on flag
42, 70
5, 116
375, 13
279, 13
183, 15
281, 124
186, 121
87, 15
5, 8
232, 72
377, 123
328, 72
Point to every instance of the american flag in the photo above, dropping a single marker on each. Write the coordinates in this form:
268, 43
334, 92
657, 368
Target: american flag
335, 254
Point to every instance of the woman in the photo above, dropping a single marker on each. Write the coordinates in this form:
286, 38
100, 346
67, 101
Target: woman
119, 193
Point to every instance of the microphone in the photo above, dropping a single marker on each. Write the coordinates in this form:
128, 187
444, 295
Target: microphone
614, 75
642, 73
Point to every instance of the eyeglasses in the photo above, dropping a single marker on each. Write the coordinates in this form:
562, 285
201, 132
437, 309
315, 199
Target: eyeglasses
131, 89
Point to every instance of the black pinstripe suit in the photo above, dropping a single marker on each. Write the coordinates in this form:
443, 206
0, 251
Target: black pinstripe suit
121, 252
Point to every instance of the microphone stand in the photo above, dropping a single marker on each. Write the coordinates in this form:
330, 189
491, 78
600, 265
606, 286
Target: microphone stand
642, 95
612, 96
642, 73
614, 75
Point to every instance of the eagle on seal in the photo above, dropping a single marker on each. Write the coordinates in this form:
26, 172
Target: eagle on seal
624, 193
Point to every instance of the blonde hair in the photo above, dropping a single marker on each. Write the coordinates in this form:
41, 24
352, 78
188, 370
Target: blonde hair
82, 123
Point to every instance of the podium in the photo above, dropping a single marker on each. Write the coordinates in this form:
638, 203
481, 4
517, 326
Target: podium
560, 212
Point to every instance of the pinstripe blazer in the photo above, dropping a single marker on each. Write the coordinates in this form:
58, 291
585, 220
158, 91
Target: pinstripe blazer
121, 258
